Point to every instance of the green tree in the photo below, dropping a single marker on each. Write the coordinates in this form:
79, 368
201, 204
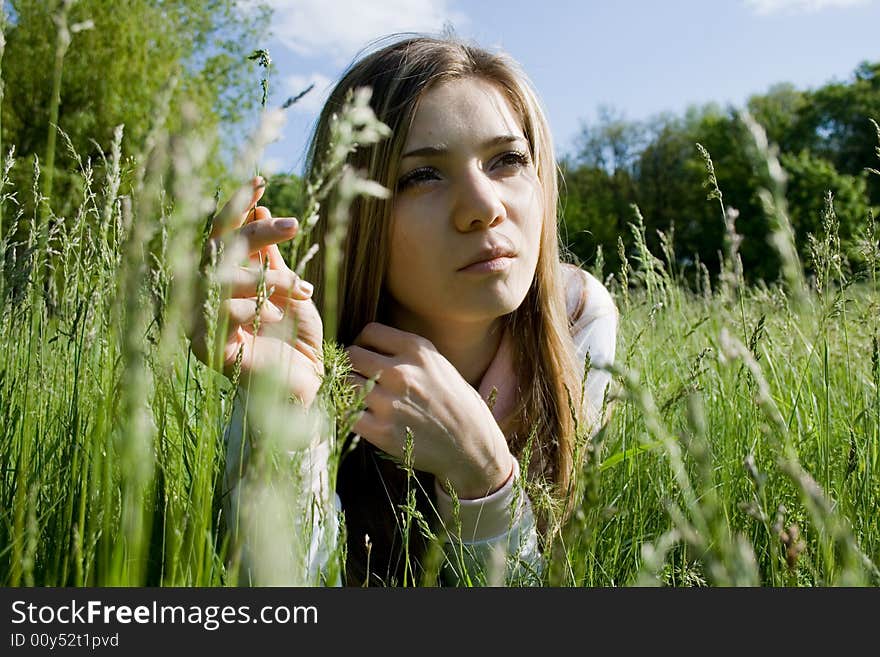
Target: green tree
595, 210
810, 178
115, 72
598, 186
285, 195
779, 112
825, 138
670, 193
613, 143
833, 123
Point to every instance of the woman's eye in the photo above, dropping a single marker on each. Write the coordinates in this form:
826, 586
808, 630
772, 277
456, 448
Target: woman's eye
514, 158
416, 177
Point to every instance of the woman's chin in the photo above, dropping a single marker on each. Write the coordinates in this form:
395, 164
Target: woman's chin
488, 304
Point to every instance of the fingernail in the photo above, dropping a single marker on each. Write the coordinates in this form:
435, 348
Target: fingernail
306, 287
286, 224
258, 182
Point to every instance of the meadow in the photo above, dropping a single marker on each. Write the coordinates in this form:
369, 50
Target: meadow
742, 447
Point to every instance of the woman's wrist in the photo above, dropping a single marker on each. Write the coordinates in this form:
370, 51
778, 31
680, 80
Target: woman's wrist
485, 482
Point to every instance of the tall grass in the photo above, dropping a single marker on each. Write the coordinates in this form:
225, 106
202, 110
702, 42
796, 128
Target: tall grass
743, 446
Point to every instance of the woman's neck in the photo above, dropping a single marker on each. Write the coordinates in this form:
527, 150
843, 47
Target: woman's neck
469, 346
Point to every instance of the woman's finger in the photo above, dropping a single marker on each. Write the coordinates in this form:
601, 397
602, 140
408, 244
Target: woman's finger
389, 340
368, 363
244, 281
257, 213
282, 330
242, 312
258, 234
375, 398
263, 233
377, 432
356, 380
234, 213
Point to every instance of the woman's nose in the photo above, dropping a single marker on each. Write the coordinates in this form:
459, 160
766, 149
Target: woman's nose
478, 203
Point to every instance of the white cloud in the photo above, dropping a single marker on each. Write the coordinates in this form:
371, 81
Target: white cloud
764, 7
314, 100
340, 28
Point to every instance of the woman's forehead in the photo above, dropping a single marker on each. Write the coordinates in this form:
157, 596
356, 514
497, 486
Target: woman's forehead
459, 112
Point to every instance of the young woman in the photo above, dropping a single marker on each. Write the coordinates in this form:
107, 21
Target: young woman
452, 292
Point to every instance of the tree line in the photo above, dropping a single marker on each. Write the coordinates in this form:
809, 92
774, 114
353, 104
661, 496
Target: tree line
826, 143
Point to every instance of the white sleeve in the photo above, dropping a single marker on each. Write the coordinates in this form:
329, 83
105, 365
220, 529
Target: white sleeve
594, 333
285, 528
491, 540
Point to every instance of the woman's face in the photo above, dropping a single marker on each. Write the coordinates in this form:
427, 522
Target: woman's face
467, 191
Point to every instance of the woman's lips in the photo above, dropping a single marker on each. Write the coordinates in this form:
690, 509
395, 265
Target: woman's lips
495, 265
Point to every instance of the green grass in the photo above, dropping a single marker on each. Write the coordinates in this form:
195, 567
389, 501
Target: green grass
743, 445
713, 474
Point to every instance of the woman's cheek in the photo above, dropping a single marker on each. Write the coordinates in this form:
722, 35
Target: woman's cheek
413, 274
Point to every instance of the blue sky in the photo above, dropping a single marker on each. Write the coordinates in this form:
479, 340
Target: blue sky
639, 57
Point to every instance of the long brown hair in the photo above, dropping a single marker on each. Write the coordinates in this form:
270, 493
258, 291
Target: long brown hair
399, 73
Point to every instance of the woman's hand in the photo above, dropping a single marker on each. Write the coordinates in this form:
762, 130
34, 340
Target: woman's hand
288, 342
455, 436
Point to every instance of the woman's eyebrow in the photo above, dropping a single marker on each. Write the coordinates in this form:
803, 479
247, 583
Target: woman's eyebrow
442, 149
